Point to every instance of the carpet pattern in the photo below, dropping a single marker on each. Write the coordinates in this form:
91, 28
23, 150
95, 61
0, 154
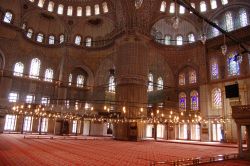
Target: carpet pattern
15, 150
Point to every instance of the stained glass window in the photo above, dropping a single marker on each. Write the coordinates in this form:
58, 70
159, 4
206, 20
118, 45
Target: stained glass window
7, 17
97, 9
181, 10
111, 84
29, 33
60, 9
88, 42
159, 83
214, 70
243, 18
192, 77
182, 79
88, 11
233, 65
18, 69
163, 6
35, 68
105, 7
191, 38
172, 8
51, 6
150, 82
51, 39
224, 2
70, 11
80, 81
216, 98
70, 79
41, 3
167, 40
203, 6
61, 39
79, 11
215, 31
48, 75
182, 101
179, 40
229, 24
213, 4
194, 100
78, 40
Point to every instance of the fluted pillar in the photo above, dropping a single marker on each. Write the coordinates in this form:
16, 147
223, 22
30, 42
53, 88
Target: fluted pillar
131, 90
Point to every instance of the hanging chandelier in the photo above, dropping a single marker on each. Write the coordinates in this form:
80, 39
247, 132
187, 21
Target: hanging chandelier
138, 3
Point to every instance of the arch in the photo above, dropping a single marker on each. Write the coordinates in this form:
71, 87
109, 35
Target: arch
90, 75
216, 98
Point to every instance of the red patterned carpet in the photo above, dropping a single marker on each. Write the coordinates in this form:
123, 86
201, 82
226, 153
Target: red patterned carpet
15, 150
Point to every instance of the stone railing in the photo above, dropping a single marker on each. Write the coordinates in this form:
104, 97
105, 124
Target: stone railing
241, 112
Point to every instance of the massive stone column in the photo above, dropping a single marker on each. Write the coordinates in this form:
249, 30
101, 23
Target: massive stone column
131, 90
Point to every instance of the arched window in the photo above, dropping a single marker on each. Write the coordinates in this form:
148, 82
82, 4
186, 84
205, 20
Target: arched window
203, 6
229, 24
181, 10
160, 83
224, 2
35, 68
88, 42
79, 11
60, 9
97, 9
243, 18
172, 7
41, 3
215, 31
88, 11
150, 82
191, 38
51, 39
192, 77
7, 17
24, 26
213, 4
70, 11
179, 40
163, 6
70, 80
182, 101
181, 79
233, 65
194, 97
193, 5
80, 81
61, 38
18, 69
214, 70
31, 0
216, 98
51, 6
167, 40
78, 40
39, 38
105, 7
111, 84
29, 33
48, 75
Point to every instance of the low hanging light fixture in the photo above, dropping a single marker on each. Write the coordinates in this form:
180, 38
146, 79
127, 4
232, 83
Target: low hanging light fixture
224, 47
138, 3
